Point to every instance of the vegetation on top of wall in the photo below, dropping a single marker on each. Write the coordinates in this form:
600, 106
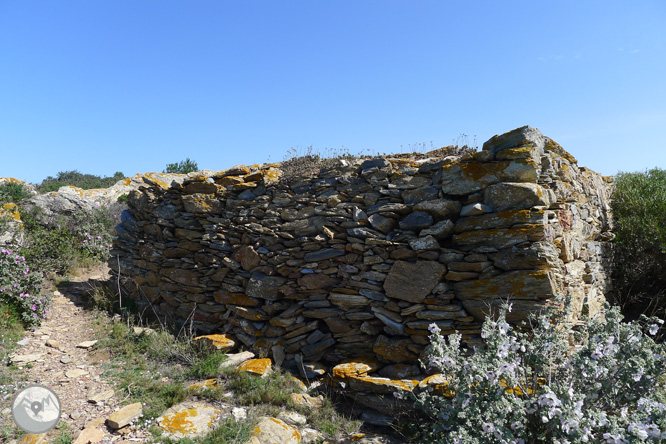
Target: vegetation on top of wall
182, 167
77, 179
639, 247
299, 163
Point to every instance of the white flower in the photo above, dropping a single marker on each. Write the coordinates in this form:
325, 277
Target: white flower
653, 431
569, 426
614, 439
488, 427
434, 328
654, 328
637, 377
638, 430
549, 399
506, 368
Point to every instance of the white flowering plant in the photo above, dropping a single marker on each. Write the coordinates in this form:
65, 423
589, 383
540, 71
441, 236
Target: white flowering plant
602, 383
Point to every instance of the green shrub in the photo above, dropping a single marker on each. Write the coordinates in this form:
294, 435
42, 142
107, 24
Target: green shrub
639, 247
533, 387
182, 167
13, 193
80, 180
51, 250
83, 237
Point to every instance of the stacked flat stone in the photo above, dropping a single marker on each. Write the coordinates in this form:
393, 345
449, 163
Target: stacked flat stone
360, 258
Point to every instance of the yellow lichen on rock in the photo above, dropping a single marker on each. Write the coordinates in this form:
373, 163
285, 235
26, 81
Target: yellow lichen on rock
273, 430
357, 367
179, 422
306, 400
221, 342
259, 367
188, 419
11, 210
33, 439
381, 385
438, 383
207, 384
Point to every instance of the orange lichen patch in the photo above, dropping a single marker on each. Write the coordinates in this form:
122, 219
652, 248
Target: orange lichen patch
357, 367
259, 367
228, 181
254, 177
11, 210
188, 421
439, 385
179, 422
244, 186
271, 175
298, 383
307, 401
555, 147
153, 180
273, 430
11, 180
238, 170
207, 384
33, 439
224, 343
381, 385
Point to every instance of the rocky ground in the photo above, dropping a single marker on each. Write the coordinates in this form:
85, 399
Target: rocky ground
61, 356
57, 355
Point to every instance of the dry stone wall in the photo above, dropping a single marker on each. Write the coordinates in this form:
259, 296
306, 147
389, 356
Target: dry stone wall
360, 257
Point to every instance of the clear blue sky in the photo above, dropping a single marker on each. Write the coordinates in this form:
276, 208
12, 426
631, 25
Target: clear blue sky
104, 86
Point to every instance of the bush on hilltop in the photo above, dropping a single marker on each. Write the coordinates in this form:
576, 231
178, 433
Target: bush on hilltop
77, 179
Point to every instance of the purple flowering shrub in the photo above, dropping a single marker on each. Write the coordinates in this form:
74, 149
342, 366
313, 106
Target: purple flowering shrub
20, 288
95, 229
603, 384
